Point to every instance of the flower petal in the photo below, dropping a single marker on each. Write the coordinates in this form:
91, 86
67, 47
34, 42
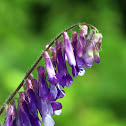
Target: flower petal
48, 121
56, 106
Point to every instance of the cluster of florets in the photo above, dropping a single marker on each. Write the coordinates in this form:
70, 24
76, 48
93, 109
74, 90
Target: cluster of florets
40, 96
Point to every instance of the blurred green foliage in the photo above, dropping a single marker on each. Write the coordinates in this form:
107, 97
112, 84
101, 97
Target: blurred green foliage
26, 26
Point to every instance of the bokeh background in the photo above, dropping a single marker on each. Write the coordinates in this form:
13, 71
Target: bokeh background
96, 99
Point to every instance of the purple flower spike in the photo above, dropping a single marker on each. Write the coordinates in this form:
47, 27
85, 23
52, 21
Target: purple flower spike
10, 116
40, 95
53, 77
61, 65
69, 53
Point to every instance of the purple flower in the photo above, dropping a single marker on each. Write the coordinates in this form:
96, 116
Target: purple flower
9, 121
79, 68
34, 120
91, 53
57, 108
97, 43
47, 96
46, 93
69, 53
61, 93
31, 99
74, 42
48, 110
89, 56
53, 59
52, 76
48, 120
80, 49
82, 41
43, 91
22, 118
40, 95
62, 69
35, 85
85, 57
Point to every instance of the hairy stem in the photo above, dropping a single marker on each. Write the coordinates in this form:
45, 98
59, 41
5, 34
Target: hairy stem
36, 63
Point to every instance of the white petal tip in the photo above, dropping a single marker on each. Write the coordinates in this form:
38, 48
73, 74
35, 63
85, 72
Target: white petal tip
48, 121
58, 112
81, 72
